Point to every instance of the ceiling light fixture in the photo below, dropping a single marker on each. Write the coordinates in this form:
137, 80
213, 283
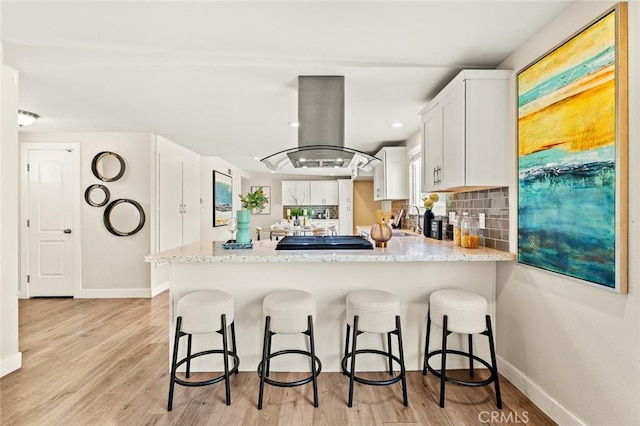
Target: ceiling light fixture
25, 118
293, 124
396, 124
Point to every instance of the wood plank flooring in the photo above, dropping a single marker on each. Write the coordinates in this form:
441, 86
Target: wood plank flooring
104, 362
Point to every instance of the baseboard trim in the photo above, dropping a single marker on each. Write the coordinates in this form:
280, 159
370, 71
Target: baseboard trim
114, 293
537, 395
160, 288
10, 364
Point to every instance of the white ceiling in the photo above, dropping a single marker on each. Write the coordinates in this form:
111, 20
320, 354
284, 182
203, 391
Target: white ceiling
221, 77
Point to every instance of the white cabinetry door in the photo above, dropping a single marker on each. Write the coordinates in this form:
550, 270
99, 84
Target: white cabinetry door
178, 195
295, 193
288, 193
390, 177
345, 206
190, 197
432, 150
323, 193
453, 138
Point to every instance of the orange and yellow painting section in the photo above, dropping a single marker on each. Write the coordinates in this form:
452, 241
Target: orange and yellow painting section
567, 99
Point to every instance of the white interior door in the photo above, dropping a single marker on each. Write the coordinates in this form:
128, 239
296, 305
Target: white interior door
50, 216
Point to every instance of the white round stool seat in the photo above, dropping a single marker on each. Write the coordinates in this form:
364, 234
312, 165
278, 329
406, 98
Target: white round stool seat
289, 310
376, 310
465, 310
201, 311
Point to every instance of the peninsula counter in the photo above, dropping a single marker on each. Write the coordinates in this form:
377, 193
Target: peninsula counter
410, 267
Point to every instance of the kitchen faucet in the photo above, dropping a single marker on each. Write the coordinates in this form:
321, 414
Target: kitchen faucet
417, 228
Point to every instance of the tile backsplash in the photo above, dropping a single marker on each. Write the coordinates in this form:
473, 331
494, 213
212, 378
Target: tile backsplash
494, 203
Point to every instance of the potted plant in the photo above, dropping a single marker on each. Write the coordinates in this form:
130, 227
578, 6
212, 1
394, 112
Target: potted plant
250, 200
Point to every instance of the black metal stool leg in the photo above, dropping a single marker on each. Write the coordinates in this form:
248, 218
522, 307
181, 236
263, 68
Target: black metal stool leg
493, 363
174, 361
346, 345
470, 355
353, 360
263, 373
403, 371
225, 349
234, 347
389, 349
313, 361
443, 368
269, 336
426, 344
188, 372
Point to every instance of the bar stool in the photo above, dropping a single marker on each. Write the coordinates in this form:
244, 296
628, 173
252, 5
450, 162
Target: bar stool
457, 311
288, 312
373, 311
201, 312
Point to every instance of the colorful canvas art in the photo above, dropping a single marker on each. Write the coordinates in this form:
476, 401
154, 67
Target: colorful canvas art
567, 158
222, 199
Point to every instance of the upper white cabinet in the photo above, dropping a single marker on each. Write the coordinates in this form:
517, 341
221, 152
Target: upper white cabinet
390, 176
465, 132
323, 193
295, 193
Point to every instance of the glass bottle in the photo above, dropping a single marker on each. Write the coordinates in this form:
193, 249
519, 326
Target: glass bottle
469, 237
456, 231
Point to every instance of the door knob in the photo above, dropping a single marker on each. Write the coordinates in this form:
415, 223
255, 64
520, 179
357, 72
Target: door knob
67, 231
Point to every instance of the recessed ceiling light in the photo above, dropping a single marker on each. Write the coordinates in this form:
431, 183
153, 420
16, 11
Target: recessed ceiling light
293, 124
396, 124
256, 158
273, 171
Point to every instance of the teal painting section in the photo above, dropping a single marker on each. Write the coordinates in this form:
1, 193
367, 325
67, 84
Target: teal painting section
566, 213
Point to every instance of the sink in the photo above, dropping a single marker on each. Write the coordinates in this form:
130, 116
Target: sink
403, 234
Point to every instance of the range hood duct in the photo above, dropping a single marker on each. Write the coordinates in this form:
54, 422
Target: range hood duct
321, 130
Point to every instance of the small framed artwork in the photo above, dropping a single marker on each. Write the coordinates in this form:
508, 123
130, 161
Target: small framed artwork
267, 206
572, 156
222, 198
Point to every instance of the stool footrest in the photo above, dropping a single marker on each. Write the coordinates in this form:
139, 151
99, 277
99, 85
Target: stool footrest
297, 382
391, 381
233, 370
461, 382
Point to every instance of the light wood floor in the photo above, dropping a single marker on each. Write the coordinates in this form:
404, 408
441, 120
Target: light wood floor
104, 362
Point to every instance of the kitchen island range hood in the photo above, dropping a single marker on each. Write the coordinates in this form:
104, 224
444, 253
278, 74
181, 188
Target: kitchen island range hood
321, 129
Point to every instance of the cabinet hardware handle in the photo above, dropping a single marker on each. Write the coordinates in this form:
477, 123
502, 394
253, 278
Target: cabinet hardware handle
435, 176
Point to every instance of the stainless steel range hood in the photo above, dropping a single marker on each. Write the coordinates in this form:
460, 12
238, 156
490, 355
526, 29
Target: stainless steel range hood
321, 130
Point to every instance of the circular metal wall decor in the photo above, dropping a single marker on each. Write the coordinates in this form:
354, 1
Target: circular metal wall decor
97, 195
124, 217
107, 166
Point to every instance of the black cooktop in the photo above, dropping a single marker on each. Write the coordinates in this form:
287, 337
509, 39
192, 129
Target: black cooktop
324, 242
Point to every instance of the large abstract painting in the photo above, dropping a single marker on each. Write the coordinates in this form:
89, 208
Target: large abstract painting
222, 198
572, 142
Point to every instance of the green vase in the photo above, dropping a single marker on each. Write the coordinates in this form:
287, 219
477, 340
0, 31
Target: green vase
243, 217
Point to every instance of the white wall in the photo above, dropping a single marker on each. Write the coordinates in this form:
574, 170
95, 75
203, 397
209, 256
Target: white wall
207, 166
10, 357
275, 182
112, 266
572, 348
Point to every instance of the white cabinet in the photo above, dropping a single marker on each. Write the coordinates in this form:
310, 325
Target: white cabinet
178, 196
323, 193
295, 193
345, 206
465, 132
390, 176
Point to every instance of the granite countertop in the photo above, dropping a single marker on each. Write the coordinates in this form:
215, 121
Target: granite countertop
399, 249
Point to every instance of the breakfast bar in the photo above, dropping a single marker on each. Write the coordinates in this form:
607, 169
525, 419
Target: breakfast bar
409, 267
